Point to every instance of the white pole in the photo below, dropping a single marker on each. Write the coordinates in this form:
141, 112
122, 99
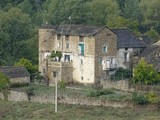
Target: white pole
56, 92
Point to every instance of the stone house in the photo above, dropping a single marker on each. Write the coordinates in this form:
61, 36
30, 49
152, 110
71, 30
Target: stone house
152, 55
128, 45
87, 52
16, 74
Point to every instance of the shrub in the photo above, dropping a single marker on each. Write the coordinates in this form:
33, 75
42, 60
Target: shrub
140, 98
14, 85
100, 92
92, 94
30, 91
62, 84
121, 74
152, 98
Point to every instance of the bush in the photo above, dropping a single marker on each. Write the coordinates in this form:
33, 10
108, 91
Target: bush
121, 74
30, 91
152, 98
140, 98
14, 85
100, 92
62, 84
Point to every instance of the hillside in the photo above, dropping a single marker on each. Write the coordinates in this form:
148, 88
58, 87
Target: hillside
20, 20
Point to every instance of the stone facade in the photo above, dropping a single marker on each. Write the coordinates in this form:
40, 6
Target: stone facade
84, 55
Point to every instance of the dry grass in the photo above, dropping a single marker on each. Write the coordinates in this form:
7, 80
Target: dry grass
33, 111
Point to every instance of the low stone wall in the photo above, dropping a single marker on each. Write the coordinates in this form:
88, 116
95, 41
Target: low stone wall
120, 84
20, 80
17, 96
66, 99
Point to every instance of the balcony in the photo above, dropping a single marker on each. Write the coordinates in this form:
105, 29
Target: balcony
59, 64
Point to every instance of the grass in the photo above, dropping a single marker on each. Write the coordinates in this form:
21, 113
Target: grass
34, 111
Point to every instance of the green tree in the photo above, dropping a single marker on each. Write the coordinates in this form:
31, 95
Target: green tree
4, 85
103, 11
153, 34
28, 65
145, 73
132, 10
16, 30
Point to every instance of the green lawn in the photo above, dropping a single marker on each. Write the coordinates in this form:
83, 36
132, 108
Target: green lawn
34, 111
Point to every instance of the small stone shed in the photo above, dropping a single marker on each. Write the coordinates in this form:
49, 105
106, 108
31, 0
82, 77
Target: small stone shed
16, 74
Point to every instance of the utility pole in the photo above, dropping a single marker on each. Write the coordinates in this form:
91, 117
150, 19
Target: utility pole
55, 74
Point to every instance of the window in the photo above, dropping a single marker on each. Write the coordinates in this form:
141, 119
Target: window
67, 58
104, 49
44, 70
67, 45
58, 36
58, 44
67, 37
81, 62
81, 39
81, 48
126, 57
81, 78
126, 48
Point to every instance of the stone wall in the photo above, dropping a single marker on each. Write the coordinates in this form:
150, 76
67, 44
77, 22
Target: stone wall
120, 84
66, 99
20, 80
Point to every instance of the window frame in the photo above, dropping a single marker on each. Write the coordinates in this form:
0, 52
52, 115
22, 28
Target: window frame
106, 48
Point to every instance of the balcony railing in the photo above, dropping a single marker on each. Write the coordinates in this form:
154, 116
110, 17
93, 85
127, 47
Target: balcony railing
59, 64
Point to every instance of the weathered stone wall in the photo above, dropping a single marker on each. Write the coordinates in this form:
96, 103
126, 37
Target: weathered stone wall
86, 68
66, 99
105, 38
120, 84
17, 96
20, 80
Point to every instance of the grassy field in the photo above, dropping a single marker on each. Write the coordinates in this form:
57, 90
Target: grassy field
34, 111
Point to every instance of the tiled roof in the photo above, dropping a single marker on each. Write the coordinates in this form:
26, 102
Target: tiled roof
146, 39
126, 38
14, 72
152, 55
72, 29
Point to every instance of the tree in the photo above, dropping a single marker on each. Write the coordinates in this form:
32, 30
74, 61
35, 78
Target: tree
132, 10
28, 65
153, 34
103, 11
145, 73
151, 14
4, 85
15, 29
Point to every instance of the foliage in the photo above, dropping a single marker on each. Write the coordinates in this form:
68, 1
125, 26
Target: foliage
28, 65
56, 54
4, 85
145, 73
14, 85
152, 98
30, 91
62, 84
20, 20
140, 98
153, 34
100, 92
121, 74
4, 82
